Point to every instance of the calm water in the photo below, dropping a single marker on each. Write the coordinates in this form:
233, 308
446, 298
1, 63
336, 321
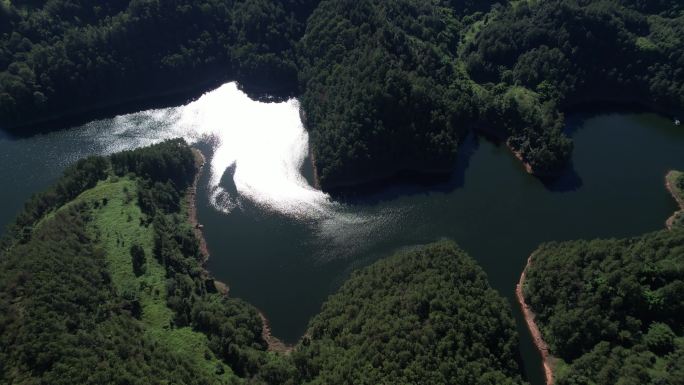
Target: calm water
284, 246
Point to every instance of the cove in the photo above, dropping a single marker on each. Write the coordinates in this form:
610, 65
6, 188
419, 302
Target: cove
284, 246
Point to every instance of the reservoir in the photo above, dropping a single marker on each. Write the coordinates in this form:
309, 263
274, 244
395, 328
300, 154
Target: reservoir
284, 246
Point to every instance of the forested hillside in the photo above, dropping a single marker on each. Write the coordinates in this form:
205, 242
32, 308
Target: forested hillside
383, 92
568, 53
612, 310
386, 86
426, 316
62, 57
573, 51
101, 282
393, 86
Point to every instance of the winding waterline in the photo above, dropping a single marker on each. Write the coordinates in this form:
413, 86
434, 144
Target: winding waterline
285, 246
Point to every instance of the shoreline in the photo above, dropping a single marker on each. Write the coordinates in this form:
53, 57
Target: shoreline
143, 101
518, 155
274, 344
539, 343
497, 137
675, 194
187, 91
191, 198
312, 158
530, 170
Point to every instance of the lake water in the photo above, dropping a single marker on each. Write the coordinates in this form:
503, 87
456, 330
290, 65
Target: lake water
284, 246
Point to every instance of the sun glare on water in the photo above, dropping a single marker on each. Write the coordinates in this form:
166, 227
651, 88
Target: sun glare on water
266, 144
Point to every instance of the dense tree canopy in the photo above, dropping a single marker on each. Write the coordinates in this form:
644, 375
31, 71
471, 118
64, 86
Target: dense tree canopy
392, 86
69, 313
382, 91
613, 310
62, 56
168, 161
426, 316
570, 52
61, 322
598, 50
385, 86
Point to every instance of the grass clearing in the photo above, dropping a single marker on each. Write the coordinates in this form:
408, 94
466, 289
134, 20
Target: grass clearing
645, 44
118, 224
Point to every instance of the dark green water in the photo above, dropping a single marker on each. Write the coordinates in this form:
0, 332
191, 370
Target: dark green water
287, 265
492, 208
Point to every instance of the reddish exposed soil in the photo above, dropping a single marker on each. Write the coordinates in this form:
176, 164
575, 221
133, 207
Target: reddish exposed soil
539, 343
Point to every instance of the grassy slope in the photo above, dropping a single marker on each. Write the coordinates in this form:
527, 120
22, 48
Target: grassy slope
118, 225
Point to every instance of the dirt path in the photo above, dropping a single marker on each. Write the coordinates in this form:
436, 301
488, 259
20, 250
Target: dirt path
274, 344
539, 343
669, 178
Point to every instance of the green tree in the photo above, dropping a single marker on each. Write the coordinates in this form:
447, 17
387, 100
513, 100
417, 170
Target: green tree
138, 259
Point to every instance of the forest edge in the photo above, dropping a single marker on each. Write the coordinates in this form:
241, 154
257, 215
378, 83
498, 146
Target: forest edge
548, 361
677, 195
274, 344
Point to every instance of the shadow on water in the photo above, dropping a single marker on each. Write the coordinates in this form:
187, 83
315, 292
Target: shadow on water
227, 180
254, 89
591, 109
409, 183
227, 184
575, 122
181, 96
416, 183
567, 180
